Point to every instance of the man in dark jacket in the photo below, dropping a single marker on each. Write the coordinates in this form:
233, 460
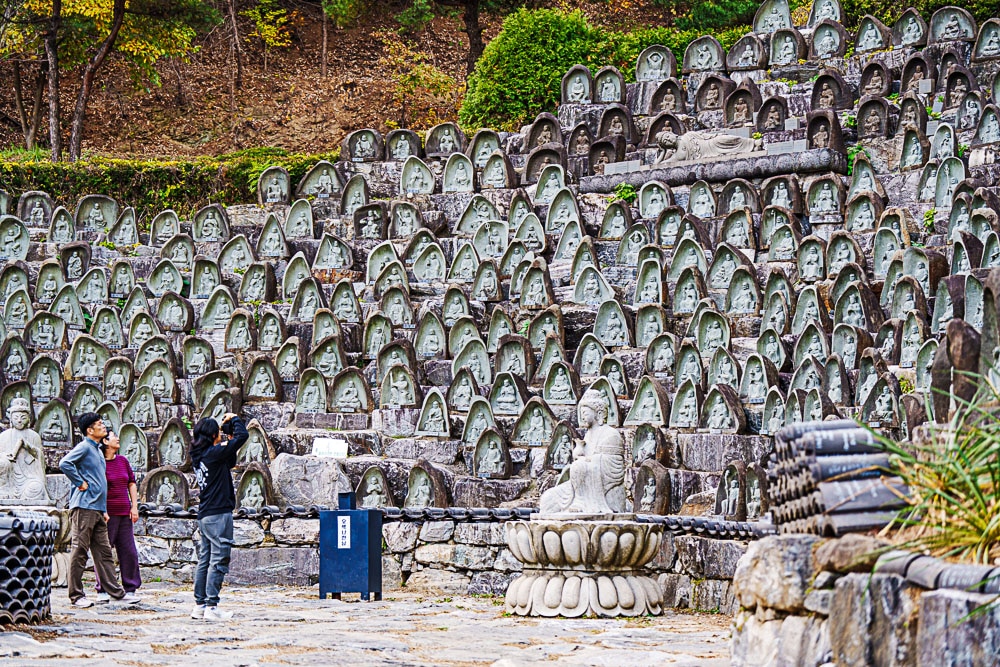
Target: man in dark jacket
213, 458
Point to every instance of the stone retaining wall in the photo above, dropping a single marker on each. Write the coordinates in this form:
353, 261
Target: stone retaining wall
807, 602
440, 557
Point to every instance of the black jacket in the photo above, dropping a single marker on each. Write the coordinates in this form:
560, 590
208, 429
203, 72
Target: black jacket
211, 471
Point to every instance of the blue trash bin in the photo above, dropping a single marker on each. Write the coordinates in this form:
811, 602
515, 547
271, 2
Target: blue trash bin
350, 550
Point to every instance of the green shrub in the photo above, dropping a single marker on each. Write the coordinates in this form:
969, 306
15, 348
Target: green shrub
521, 69
154, 185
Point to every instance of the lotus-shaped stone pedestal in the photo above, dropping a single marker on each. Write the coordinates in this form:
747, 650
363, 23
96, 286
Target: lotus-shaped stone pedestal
579, 567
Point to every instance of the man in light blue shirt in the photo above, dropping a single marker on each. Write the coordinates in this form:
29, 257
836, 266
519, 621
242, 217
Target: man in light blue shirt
88, 505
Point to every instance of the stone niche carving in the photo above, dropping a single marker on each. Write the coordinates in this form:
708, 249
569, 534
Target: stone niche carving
743, 295
609, 86
125, 231
263, 382
312, 393
829, 40
425, 487
241, 332
363, 146
748, 53
559, 453
53, 424
772, 15
484, 142
86, 399
459, 174
45, 379
308, 299
876, 79
787, 47
784, 244
616, 121
401, 144
772, 115
218, 309
651, 405
873, 117
544, 130
373, 490
75, 259
969, 111
134, 447
551, 178
742, 105
988, 44
655, 63
577, 86
205, 277
722, 412
910, 29
14, 240
704, 54
159, 377
399, 389
371, 222
405, 220
210, 224
872, 35
731, 494
831, 91
988, 131
686, 406
351, 393
236, 255
498, 172
273, 186
490, 240
914, 150
433, 420
164, 486
536, 425
141, 409
62, 227
198, 356
463, 388
474, 356
33, 207
465, 265
179, 250
96, 213
950, 24
298, 225
712, 93
444, 139
174, 445
823, 130
254, 489
652, 491
356, 193
321, 182
164, 227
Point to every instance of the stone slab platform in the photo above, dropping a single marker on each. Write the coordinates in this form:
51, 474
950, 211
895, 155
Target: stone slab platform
285, 626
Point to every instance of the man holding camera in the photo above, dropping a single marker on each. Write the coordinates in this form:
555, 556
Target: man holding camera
213, 457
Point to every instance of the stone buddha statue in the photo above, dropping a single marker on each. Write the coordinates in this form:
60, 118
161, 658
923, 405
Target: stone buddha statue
22, 463
596, 481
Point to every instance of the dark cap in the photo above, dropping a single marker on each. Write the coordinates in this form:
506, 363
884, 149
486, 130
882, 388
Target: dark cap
86, 420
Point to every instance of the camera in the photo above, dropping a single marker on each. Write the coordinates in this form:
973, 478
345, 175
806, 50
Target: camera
227, 427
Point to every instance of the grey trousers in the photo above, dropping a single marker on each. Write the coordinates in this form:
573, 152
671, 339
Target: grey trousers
89, 532
213, 557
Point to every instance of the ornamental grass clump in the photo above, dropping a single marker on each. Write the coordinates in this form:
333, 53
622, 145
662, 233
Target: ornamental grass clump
954, 483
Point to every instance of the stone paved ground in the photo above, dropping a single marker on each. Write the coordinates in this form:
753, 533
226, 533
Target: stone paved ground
291, 626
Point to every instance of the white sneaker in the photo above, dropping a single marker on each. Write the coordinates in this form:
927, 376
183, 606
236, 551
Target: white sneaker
130, 598
83, 603
103, 598
198, 611
216, 614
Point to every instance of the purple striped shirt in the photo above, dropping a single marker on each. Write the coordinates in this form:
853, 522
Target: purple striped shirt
120, 475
